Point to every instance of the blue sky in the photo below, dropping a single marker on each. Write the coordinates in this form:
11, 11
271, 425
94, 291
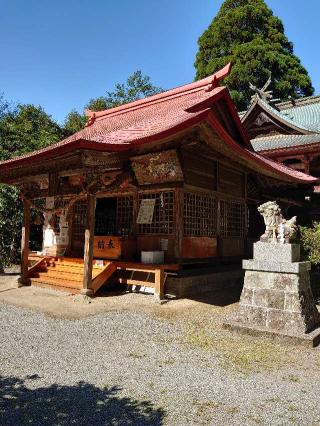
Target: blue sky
60, 53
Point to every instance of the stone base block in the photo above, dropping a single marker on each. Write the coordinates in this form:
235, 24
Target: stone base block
276, 252
279, 302
311, 339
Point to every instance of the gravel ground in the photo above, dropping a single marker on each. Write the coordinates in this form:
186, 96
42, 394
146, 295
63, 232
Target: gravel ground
167, 365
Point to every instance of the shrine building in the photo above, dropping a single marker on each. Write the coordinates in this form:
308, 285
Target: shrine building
288, 133
160, 192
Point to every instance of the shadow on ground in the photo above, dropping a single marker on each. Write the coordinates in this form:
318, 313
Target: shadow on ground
220, 298
81, 404
9, 274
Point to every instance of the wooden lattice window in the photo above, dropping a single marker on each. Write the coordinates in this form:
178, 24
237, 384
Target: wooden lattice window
200, 215
114, 216
163, 216
124, 215
232, 219
79, 220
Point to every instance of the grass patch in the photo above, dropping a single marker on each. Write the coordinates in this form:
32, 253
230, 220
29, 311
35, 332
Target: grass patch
293, 379
243, 353
166, 362
205, 410
207, 404
136, 355
255, 418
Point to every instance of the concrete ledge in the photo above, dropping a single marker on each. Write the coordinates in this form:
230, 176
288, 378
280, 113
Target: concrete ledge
311, 339
272, 266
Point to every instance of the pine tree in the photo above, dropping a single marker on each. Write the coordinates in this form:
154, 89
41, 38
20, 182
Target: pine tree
246, 33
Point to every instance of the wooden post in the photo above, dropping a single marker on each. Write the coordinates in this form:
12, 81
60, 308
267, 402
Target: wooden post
24, 279
179, 225
159, 285
306, 163
88, 246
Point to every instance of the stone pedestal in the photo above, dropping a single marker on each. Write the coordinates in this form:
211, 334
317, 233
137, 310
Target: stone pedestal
277, 296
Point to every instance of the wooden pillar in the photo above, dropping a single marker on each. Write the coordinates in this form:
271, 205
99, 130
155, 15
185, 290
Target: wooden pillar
179, 225
88, 246
159, 284
24, 279
306, 163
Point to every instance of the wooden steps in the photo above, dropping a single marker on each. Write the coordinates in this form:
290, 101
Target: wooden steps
67, 274
64, 273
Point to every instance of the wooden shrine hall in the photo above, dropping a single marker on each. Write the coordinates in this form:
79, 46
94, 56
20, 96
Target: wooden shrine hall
148, 193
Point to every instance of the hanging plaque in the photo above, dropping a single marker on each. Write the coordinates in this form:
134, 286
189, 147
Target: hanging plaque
146, 211
50, 203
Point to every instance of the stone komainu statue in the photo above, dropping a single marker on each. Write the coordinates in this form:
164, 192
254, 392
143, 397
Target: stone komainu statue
278, 230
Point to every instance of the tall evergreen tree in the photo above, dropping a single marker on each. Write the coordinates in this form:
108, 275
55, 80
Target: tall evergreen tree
246, 33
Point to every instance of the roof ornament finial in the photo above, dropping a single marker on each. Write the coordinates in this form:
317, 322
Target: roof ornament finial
91, 117
262, 93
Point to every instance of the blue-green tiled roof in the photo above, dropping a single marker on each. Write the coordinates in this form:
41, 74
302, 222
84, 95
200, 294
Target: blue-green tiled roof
287, 116
306, 115
284, 141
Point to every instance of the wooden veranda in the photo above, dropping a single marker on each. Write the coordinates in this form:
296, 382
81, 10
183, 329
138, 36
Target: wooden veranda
67, 274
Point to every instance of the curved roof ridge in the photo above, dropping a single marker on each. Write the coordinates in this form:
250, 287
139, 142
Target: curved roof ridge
294, 103
209, 82
285, 116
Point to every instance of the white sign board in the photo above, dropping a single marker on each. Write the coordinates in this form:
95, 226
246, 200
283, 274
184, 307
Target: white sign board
146, 211
164, 244
50, 203
48, 238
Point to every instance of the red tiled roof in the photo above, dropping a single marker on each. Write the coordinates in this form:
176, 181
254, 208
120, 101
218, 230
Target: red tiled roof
156, 117
142, 121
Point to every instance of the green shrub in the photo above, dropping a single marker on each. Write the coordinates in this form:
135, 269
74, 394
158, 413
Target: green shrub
310, 241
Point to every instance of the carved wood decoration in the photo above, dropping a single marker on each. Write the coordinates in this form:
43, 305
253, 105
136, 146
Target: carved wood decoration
161, 167
261, 119
95, 182
105, 159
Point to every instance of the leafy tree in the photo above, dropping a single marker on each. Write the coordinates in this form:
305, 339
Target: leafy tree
11, 214
26, 128
137, 86
246, 33
74, 122
23, 128
4, 106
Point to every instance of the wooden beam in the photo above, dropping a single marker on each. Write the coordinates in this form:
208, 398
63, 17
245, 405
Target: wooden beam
24, 277
88, 246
